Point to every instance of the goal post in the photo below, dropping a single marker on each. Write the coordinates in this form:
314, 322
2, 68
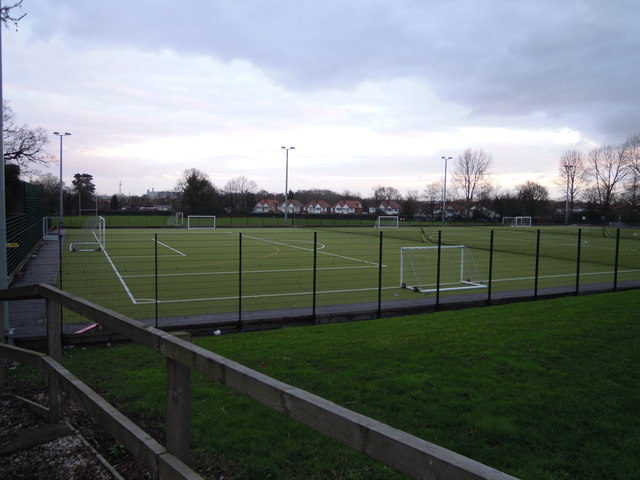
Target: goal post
201, 222
50, 228
458, 269
176, 219
387, 221
91, 237
516, 221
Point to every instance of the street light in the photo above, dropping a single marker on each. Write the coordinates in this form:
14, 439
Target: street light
444, 189
60, 208
286, 185
568, 169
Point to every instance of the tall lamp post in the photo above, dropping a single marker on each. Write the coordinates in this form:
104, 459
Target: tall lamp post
569, 172
286, 185
61, 135
444, 190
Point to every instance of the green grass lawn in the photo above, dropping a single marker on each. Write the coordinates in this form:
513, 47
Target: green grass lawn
542, 390
193, 272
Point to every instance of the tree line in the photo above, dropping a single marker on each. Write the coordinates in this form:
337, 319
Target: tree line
601, 185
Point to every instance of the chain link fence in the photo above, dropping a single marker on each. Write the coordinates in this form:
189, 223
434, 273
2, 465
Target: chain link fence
176, 278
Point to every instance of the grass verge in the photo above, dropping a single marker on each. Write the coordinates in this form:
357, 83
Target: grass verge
543, 390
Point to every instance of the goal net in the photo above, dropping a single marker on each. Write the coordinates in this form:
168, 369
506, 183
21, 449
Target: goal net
176, 219
517, 221
91, 237
201, 221
387, 221
50, 228
458, 269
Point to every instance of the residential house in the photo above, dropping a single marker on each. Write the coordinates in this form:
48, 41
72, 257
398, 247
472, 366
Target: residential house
317, 207
293, 206
266, 205
389, 207
347, 207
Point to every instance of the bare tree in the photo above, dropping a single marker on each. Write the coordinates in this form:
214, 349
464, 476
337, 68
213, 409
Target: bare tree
532, 197
380, 194
241, 192
411, 204
50, 186
607, 168
23, 145
6, 14
471, 175
632, 152
572, 177
432, 195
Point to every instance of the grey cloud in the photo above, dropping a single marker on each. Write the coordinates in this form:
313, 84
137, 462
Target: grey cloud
572, 60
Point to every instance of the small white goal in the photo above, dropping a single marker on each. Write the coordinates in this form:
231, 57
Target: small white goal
387, 221
91, 237
201, 222
50, 228
176, 219
516, 221
458, 269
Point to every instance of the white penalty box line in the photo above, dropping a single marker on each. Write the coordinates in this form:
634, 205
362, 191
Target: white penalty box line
136, 301
359, 260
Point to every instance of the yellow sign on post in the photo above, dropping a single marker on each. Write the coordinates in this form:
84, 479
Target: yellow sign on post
13, 245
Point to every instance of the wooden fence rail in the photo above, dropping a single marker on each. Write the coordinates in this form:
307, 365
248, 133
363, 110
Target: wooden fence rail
406, 453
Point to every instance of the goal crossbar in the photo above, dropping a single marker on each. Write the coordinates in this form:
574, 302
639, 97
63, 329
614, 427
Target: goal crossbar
201, 222
91, 238
387, 221
517, 221
458, 269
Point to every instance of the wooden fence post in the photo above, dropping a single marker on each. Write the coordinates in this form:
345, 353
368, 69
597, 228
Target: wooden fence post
178, 405
54, 349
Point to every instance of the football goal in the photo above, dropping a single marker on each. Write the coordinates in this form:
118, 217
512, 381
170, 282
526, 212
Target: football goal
516, 221
91, 237
387, 221
50, 230
458, 269
201, 221
176, 219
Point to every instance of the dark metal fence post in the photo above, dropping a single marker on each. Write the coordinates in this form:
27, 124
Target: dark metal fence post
240, 281
438, 269
490, 268
578, 261
315, 272
537, 276
379, 312
615, 263
156, 277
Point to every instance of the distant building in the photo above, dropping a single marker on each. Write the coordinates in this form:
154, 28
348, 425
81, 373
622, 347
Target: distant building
165, 195
317, 207
293, 206
266, 205
347, 207
389, 207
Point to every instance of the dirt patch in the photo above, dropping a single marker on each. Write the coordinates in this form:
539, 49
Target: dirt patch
71, 457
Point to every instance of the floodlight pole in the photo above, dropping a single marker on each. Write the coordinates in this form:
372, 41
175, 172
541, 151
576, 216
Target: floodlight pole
4, 270
58, 134
444, 190
286, 185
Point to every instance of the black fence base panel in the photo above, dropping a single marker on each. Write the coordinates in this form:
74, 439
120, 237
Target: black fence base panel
202, 325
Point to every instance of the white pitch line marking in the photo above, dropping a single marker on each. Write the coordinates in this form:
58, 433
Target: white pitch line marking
235, 272
311, 250
170, 248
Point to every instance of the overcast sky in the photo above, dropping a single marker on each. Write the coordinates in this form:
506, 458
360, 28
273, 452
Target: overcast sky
369, 92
